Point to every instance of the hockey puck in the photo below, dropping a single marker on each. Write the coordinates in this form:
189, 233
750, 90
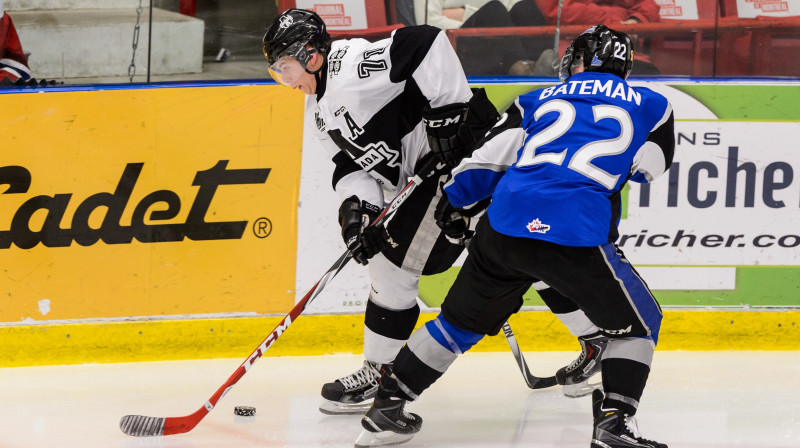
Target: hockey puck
244, 411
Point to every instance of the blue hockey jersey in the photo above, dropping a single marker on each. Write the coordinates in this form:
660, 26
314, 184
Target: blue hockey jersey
557, 161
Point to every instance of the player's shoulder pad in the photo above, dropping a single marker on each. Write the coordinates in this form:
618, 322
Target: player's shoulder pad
649, 94
527, 104
530, 96
409, 47
652, 102
415, 34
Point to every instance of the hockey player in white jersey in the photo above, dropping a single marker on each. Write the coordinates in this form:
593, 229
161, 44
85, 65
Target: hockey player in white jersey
368, 101
386, 111
554, 166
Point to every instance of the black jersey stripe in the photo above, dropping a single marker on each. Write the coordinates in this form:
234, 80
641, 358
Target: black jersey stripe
664, 137
409, 47
344, 165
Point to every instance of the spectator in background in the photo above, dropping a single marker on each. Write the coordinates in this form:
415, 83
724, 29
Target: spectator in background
13, 61
480, 55
404, 9
609, 11
588, 12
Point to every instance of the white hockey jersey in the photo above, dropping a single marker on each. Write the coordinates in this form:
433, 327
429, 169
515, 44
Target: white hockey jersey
368, 107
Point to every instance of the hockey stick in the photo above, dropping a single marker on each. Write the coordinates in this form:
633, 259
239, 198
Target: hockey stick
142, 426
534, 382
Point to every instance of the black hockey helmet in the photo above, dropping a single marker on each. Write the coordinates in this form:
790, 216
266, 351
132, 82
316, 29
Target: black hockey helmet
601, 49
291, 32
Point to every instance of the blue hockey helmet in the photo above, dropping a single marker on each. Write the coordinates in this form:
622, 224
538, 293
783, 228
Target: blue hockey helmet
600, 49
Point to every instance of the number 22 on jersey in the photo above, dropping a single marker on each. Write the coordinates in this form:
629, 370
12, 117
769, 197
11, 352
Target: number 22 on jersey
581, 160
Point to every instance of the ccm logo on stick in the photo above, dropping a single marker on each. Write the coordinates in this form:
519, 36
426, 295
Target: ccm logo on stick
267, 343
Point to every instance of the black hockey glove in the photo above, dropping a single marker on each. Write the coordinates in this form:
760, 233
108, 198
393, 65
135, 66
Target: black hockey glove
455, 221
455, 129
454, 225
363, 240
448, 135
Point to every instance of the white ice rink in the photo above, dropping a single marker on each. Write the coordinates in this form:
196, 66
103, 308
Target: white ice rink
693, 400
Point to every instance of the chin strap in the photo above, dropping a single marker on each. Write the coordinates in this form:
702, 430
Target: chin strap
317, 73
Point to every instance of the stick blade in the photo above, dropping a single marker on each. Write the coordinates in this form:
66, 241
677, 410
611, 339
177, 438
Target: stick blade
141, 426
544, 383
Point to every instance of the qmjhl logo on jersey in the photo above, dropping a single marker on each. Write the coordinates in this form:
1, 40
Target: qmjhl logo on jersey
54, 233
537, 226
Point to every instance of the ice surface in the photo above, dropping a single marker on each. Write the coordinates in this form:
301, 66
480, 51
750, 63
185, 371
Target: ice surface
725, 399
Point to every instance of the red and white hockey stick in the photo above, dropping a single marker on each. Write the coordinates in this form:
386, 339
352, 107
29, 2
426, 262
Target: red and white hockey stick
142, 426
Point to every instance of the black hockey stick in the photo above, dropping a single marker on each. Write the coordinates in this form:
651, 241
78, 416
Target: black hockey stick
143, 426
534, 382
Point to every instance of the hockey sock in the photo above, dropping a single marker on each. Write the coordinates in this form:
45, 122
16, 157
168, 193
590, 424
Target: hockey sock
395, 324
428, 354
451, 337
623, 383
385, 331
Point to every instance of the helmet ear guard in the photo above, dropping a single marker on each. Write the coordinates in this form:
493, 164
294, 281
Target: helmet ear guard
600, 49
565, 67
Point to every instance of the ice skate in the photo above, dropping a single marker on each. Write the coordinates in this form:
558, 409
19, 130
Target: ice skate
351, 394
575, 377
615, 429
386, 422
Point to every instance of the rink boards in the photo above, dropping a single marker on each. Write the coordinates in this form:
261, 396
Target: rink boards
176, 222
161, 340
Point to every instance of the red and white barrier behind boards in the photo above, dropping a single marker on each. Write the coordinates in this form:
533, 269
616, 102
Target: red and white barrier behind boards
678, 9
771, 8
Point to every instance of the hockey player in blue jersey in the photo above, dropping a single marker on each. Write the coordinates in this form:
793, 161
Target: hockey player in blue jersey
554, 167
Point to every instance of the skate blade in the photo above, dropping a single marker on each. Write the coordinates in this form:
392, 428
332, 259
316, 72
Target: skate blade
598, 444
580, 389
384, 438
335, 408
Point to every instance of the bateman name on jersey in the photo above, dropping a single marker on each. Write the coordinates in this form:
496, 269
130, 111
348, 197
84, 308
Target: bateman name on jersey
611, 88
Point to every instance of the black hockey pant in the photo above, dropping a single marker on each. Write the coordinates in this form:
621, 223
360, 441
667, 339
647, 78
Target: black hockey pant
489, 289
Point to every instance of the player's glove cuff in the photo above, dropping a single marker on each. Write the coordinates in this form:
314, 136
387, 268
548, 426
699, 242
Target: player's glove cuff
362, 239
452, 221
